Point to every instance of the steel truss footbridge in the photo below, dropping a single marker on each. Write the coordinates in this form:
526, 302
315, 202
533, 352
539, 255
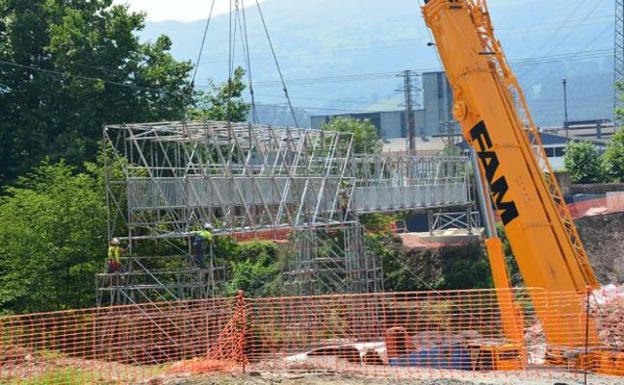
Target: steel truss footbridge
165, 180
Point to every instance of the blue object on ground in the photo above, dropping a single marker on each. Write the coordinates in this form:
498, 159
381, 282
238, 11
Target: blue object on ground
448, 357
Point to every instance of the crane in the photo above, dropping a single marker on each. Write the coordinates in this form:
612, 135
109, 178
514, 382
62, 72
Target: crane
513, 170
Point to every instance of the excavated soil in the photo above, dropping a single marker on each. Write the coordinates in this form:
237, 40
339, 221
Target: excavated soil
603, 236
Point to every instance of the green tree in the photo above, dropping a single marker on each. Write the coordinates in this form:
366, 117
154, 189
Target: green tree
223, 102
255, 269
584, 162
451, 150
52, 239
69, 67
466, 268
512, 266
614, 157
365, 136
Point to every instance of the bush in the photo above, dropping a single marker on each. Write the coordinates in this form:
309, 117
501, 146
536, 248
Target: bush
584, 163
614, 157
255, 269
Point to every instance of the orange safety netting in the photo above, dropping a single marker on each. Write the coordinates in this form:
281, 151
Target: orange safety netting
423, 335
612, 203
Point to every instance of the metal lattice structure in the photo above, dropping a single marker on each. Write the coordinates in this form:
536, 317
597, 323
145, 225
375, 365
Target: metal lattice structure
397, 183
332, 259
243, 177
618, 56
165, 180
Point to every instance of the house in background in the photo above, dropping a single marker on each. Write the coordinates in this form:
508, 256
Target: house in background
555, 145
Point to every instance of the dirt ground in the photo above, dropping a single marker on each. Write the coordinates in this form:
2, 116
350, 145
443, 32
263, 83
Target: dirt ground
328, 378
603, 236
296, 379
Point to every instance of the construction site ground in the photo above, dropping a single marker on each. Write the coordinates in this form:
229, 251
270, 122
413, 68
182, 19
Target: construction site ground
330, 378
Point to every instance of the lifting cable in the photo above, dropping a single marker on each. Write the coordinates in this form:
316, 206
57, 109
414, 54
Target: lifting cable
279, 70
231, 49
203, 42
198, 60
245, 39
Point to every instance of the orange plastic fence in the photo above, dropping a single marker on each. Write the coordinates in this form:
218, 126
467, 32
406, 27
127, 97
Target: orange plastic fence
612, 203
122, 344
423, 335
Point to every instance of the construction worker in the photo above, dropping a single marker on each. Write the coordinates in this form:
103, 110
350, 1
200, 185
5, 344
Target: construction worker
201, 237
115, 251
343, 200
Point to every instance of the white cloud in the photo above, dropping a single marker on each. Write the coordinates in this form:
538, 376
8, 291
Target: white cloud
181, 10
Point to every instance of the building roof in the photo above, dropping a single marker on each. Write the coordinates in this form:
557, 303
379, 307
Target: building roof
348, 114
430, 145
549, 139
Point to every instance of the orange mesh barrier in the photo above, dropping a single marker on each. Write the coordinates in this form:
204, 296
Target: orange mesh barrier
423, 335
612, 203
117, 344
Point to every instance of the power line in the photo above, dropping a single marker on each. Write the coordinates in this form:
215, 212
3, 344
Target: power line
357, 77
81, 77
414, 41
564, 22
343, 110
566, 36
361, 102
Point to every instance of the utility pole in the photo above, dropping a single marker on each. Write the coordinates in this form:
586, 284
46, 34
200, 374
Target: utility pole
565, 107
409, 111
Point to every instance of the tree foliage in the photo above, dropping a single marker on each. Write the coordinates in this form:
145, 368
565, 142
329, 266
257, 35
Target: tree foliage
584, 163
223, 102
449, 268
52, 239
365, 136
256, 268
614, 157
69, 67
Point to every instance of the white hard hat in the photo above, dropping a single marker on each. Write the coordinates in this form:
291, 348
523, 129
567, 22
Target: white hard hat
115, 241
207, 226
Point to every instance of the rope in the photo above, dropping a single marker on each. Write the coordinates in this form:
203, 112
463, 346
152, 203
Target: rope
279, 70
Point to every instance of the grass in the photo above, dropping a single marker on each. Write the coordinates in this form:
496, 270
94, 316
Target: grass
62, 376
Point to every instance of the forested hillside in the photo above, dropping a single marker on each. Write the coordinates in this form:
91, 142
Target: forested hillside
320, 42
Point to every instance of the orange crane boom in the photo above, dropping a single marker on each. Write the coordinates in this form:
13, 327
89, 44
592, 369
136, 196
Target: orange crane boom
495, 121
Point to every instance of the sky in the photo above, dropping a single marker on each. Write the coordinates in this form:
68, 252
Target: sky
180, 10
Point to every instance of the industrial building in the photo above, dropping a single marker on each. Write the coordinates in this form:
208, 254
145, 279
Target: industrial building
433, 118
601, 129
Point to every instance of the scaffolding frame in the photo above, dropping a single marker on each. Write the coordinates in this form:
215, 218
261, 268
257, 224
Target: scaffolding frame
240, 176
165, 180
332, 259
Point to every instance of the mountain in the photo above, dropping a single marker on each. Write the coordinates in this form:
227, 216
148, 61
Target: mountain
325, 46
